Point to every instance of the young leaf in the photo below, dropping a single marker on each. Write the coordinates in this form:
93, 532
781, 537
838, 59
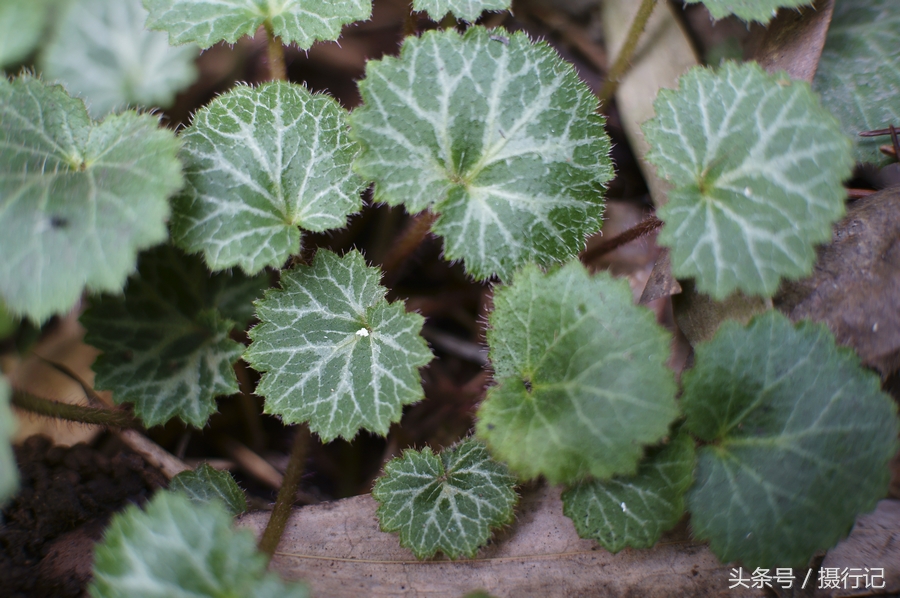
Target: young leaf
21, 25
798, 436
447, 502
757, 166
179, 548
467, 10
101, 52
634, 511
858, 76
9, 472
206, 22
335, 353
165, 342
761, 11
259, 163
78, 199
582, 383
494, 133
205, 485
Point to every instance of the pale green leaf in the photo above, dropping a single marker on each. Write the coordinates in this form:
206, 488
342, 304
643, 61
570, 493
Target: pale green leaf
756, 165
204, 485
467, 10
335, 353
101, 53
798, 440
9, 472
206, 22
21, 24
165, 342
175, 548
261, 162
496, 135
582, 383
634, 511
447, 502
761, 11
78, 199
859, 73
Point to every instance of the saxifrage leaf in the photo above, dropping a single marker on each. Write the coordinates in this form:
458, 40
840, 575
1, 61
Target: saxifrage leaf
205, 484
761, 11
165, 342
206, 22
447, 502
261, 162
467, 10
335, 353
757, 167
634, 511
798, 436
9, 471
78, 199
496, 135
21, 26
180, 549
582, 383
859, 73
101, 53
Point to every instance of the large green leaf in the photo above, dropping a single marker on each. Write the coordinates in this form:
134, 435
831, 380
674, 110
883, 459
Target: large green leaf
859, 73
78, 199
447, 502
179, 549
9, 472
206, 22
101, 52
798, 437
467, 10
205, 484
335, 353
165, 342
21, 25
762, 11
261, 162
495, 134
756, 165
582, 383
634, 511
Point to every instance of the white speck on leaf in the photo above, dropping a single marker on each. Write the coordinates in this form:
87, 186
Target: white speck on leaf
362, 332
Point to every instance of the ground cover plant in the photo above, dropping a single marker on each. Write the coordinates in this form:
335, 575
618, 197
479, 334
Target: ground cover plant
258, 262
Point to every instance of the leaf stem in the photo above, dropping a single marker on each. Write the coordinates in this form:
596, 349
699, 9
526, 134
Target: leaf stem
410, 239
114, 418
286, 495
277, 69
637, 231
623, 60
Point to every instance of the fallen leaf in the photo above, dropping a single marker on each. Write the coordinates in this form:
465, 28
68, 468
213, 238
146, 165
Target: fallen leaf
793, 41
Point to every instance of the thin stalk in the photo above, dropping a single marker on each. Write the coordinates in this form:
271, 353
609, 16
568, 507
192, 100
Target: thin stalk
637, 231
268, 543
409, 241
623, 60
113, 418
277, 70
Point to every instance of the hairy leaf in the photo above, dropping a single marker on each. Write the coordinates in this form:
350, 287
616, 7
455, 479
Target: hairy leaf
634, 511
204, 485
9, 472
859, 73
101, 53
495, 134
798, 441
335, 353
447, 502
21, 25
78, 199
757, 166
582, 383
467, 10
165, 342
206, 22
180, 549
761, 11
261, 162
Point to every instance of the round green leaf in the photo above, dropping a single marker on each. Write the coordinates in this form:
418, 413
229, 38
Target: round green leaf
761, 11
78, 199
335, 353
447, 502
582, 383
467, 10
21, 25
204, 485
495, 134
798, 436
9, 472
259, 163
756, 165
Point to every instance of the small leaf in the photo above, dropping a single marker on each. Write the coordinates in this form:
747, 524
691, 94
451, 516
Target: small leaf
101, 52
761, 11
78, 199
858, 76
9, 471
634, 511
259, 163
21, 26
165, 342
495, 134
207, 22
467, 10
335, 352
205, 485
798, 436
447, 502
179, 548
757, 166
582, 383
